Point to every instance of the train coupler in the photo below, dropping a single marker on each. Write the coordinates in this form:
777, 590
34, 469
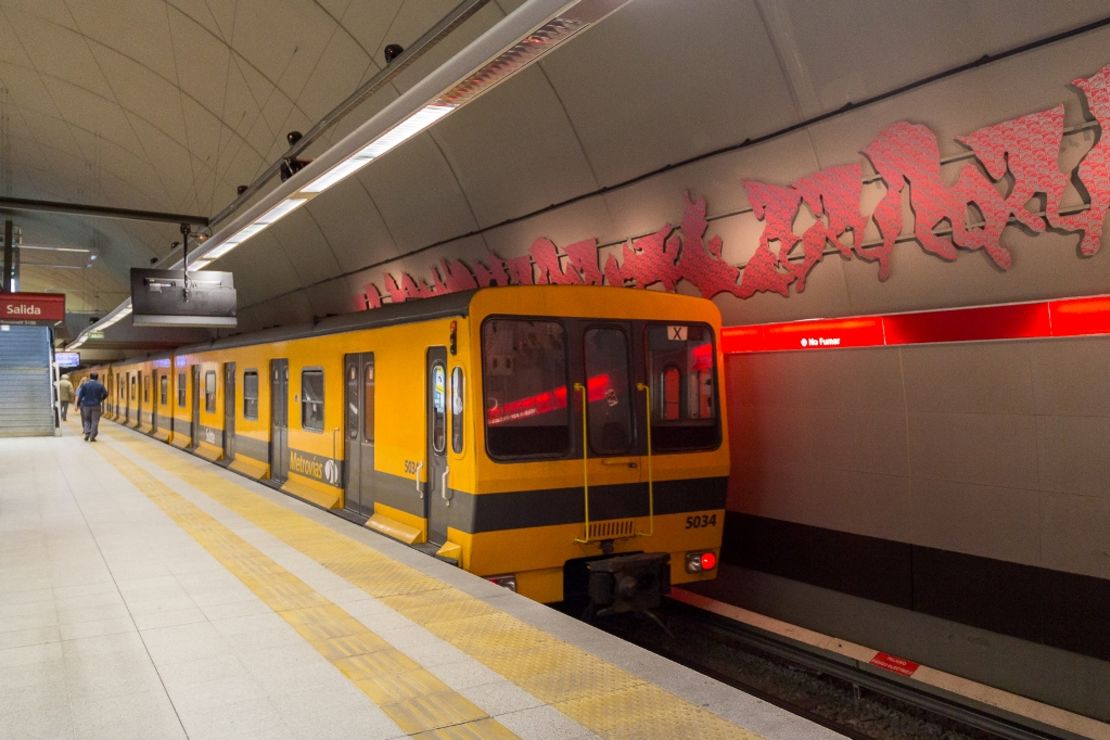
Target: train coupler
629, 583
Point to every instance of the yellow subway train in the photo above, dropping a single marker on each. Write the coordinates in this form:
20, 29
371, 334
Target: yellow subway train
565, 441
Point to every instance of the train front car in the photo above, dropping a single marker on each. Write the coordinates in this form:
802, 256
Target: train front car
602, 460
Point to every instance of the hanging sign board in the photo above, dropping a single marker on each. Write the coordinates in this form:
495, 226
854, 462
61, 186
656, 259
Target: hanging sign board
43, 309
167, 298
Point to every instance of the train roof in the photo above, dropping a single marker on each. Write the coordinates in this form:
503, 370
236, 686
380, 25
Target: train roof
390, 314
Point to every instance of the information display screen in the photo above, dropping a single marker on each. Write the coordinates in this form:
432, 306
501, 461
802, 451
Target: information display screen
67, 359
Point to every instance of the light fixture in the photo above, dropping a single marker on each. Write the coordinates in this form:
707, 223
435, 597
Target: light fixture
37, 247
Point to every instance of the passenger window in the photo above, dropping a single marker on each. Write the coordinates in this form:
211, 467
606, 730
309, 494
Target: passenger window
352, 401
134, 396
524, 378
146, 391
312, 400
250, 394
368, 401
181, 390
210, 391
164, 389
439, 408
457, 410
610, 412
682, 368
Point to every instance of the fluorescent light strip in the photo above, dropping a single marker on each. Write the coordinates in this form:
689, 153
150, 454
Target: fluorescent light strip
280, 210
396, 136
52, 249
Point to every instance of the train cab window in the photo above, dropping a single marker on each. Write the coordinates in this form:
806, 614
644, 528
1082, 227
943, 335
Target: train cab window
682, 368
368, 401
524, 379
312, 400
210, 391
671, 407
164, 389
250, 394
607, 388
457, 410
181, 390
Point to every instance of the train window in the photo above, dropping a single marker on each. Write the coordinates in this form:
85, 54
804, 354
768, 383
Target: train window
164, 390
439, 407
671, 407
250, 394
312, 400
457, 410
210, 391
133, 393
352, 401
524, 378
610, 412
368, 401
682, 368
181, 390
146, 390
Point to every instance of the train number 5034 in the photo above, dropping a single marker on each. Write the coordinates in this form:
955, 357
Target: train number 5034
697, 521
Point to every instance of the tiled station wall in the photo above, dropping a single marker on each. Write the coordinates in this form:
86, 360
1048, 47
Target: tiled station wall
965, 481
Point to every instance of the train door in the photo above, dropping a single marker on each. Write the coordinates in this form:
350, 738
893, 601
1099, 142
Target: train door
229, 411
358, 449
130, 397
613, 403
194, 439
279, 419
437, 497
154, 402
139, 401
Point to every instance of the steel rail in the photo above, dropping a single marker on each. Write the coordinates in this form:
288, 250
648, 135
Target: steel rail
934, 701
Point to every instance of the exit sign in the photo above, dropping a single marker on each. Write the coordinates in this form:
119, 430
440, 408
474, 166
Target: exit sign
32, 308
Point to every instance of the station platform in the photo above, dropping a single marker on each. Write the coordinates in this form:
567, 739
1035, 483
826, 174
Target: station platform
147, 593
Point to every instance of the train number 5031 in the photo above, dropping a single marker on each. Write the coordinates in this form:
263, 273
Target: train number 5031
697, 521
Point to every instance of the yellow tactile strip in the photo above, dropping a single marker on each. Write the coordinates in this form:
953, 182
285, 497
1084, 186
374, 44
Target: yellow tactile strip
411, 696
603, 698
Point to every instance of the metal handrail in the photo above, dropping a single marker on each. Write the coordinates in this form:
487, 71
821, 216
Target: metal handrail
585, 464
443, 485
418, 488
651, 483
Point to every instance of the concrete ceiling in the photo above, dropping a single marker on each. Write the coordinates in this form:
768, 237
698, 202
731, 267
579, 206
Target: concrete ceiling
167, 105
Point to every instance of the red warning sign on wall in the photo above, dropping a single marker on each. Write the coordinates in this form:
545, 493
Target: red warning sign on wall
32, 308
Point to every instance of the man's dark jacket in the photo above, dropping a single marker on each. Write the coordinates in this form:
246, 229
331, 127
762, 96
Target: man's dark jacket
91, 393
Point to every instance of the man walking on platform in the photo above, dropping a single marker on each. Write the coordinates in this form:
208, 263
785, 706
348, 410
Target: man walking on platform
65, 395
89, 397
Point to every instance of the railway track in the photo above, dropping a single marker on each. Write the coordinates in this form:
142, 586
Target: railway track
830, 691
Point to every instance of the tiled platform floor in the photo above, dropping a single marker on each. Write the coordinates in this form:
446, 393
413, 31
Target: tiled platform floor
146, 593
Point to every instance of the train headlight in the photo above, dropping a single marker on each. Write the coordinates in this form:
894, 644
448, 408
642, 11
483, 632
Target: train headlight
701, 562
508, 582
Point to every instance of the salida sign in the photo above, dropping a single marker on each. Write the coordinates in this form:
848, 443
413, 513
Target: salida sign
32, 308
1012, 163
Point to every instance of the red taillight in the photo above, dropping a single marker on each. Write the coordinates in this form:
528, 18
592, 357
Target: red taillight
701, 562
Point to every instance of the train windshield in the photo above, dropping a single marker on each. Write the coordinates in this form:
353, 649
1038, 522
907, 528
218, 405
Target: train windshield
525, 383
682, 369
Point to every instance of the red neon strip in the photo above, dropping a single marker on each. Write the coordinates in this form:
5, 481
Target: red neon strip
1070, 317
